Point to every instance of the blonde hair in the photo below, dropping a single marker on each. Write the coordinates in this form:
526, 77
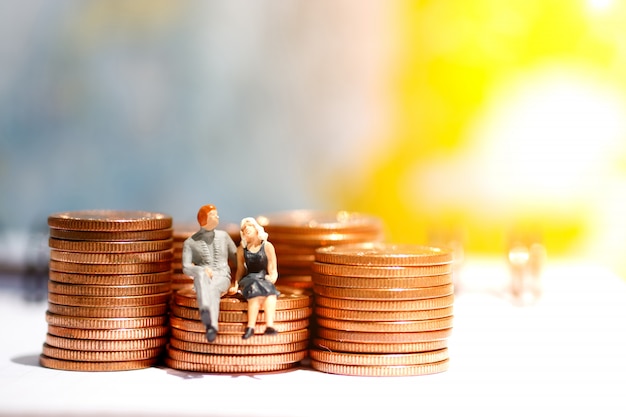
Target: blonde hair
262, 233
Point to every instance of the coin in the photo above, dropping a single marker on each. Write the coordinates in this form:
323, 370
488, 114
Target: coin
104, 323
70, 365
236, 328
111, 257
242, 316
382, 337
359, 282
360, 370
105, 334
373, 359
384, 294
234, 350
101, 356
385, 305
386, 327
384, 254
114, 269
230, 369
377, 316
355, 347
235, 339
129, 301
110, 279
109, 220
380, 271
103, 312
303, 221
105, 345
108, 291
107, 236
288, 299
109, 247
240, 360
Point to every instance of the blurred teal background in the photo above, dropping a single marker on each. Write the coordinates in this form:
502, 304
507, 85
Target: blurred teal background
168, 105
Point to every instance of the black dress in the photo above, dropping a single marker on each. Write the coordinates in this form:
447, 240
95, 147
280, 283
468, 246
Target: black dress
254, 284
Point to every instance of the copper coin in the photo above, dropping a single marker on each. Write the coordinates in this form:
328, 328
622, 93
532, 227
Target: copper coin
69, 365
358, 282
106, 236
101, 356
382, 337
361, 370
384, 254
105, 334
245, 360
377, 316
110, 247
389, 305
295, 281
374, 359
236, 328
116, 269
384, 294
380, 271
105, 345
104, 323
388, 348
109, 220
108, 258
214, 349
108, 291
242, 316
235, 339
288, 299
109, 312
303, 221
387, 327
110, 279
314, 241
229, 369
129, 301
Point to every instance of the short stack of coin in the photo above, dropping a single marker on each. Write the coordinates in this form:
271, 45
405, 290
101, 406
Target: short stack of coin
189, 350
109, 290
382, 309
297, 233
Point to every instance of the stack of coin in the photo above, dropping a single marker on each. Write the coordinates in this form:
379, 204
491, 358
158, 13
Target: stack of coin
229, 352
109, 290
296, 234
181, 232
382, 309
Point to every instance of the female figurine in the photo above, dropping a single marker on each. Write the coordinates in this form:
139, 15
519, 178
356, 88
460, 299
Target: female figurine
256, 274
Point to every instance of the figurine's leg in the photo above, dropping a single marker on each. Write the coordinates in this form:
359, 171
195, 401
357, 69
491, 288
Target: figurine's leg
270, 312
218, 287
254, 304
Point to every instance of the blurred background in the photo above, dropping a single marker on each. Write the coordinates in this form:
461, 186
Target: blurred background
476, 122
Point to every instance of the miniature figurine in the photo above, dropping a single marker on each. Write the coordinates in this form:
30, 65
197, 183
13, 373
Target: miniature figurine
206, 256
257, 273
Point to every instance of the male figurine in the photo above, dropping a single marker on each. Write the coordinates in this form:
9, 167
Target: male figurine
205, 258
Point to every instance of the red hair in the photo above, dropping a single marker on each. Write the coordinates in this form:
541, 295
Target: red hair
204, 212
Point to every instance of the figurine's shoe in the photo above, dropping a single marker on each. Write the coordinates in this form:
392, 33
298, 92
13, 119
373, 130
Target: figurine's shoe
248, 333
211, 333
270, 331
205, 316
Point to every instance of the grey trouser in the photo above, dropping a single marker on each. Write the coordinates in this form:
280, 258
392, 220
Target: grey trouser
209, 291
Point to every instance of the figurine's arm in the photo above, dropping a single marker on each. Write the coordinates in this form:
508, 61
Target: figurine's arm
272, 266
241, 269
189, 268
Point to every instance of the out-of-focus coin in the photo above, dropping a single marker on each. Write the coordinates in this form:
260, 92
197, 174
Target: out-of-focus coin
382, 337
109, 220
106, 236
234, 350
70, 365
245, 360
235, 339
373, 359
388, 348
314, 221
384, 254
378, 316
105, 334
380, 271
385, 305
109, 247
384, 294
361, 370
230, 369
386, 327
359, 282
110, 279
111, 258
108, 291
105, 345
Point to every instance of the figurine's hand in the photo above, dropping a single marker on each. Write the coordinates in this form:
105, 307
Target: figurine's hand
233, 289
271, 279
209, 272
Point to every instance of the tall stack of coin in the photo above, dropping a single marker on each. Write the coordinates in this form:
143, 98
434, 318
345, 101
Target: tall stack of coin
382, 309
109, 290
297, 234
229, 352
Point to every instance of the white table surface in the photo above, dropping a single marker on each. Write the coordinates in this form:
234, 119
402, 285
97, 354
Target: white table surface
564, 353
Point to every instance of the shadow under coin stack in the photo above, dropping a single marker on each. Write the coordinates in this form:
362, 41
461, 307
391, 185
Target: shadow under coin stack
297, 234
229, 353
108, 291
382, 309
